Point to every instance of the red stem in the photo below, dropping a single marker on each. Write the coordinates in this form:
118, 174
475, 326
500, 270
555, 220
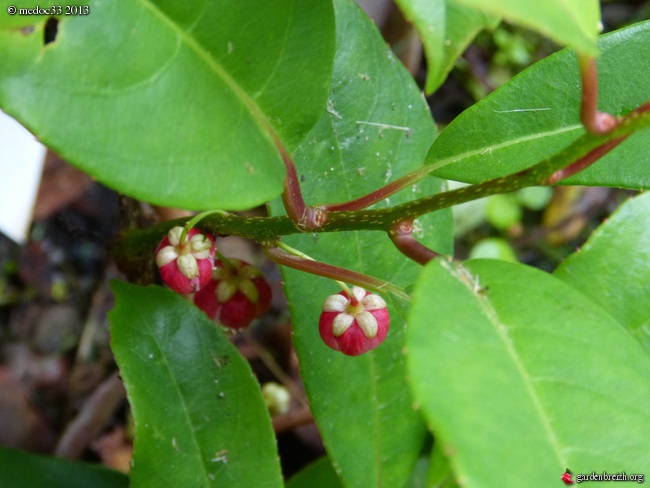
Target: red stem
594, 121
353, 300
379, 194
591, 157
584, 162
333, 272
402, 236
292, 197
306, 218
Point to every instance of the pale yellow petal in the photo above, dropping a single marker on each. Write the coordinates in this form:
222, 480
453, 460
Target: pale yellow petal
188, 266
368, 324
373, 302
166, 255
342, 322
174, 235
335, 303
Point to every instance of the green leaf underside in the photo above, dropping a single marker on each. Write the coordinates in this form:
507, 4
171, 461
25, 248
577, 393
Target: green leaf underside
446, 29
515, 372
199, 416
573, 23
429, 19
538, 113
172, 102
376, 129
612, 268
24, 470
319, 474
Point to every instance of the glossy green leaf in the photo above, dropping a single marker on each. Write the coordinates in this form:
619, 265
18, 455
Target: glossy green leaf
537, 114
612, 268
23, 470
574, 23
445, 28
319, 474
174, 102
199, 415
515, 371
376, 129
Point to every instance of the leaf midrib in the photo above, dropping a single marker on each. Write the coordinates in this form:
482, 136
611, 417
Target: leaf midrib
459, 158
192, 433
501, 331
188, 418
257, 113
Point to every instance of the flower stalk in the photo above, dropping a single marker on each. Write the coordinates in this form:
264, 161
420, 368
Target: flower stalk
280, 256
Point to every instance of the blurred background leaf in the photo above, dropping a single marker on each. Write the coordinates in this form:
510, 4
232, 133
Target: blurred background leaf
23, 470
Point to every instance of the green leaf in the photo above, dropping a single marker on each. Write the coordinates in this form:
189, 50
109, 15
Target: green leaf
440, 474
199, 415
376, 129
319, 474
171, 102
445, 29
569, 22
429, 19
537, 114
418, 478
24, 470
612, 269
514, 369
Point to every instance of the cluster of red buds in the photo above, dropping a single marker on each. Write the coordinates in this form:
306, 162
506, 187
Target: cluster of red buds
236, 295
232, 292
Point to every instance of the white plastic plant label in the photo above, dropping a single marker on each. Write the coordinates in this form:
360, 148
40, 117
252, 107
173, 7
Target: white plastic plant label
21, 165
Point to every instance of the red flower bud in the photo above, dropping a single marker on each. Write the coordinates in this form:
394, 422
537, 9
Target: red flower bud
236, 294
186, 267
354, 326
